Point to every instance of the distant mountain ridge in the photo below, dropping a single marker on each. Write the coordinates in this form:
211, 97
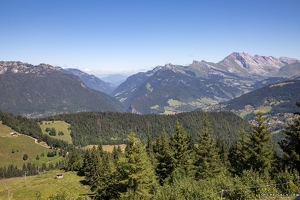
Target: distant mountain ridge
176, 88
43, 90
91, 81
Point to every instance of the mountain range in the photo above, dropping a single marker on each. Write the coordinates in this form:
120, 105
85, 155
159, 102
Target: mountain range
45, 90
175, 88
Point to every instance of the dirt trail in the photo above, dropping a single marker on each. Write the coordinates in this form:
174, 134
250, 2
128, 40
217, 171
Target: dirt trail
43, 144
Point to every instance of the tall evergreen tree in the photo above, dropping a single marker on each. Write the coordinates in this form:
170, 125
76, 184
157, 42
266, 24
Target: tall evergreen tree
180, 148
107, 187
150, 150
92, 167
223, 151
135, 171
239, 154
207, 161
75, 161
291, 142
165, 161
260, 148
115, 154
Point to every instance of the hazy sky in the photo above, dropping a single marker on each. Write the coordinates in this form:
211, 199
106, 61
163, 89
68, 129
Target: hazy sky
130, 35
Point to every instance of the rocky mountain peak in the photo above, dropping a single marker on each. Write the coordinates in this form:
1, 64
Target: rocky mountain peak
20, 67
245, 64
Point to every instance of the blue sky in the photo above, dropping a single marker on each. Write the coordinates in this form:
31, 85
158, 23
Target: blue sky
110, 36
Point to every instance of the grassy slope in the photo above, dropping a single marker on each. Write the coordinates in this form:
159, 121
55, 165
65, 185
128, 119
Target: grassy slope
59, 126
21, 144
46, 184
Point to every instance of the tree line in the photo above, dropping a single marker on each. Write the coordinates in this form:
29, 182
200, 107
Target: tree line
176, 167
112, 128
29, 168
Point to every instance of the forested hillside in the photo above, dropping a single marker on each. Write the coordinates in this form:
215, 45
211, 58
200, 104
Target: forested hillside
174, 167
280, 96
112, 128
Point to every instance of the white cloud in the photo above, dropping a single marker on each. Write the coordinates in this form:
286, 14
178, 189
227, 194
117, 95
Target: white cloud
87, 70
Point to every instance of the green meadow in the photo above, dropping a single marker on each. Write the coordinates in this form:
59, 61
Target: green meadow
59, 126
14, 147
44, 186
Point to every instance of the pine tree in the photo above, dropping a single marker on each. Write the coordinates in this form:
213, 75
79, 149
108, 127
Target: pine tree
92, 167
260, 149
75, 161
290, 143
115, 154
165, 161
107, 187
149, 149
239, 154
180, 149
136, 174
223, 151
207, 161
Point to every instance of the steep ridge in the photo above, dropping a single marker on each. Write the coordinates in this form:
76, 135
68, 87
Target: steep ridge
44, 90
91, 81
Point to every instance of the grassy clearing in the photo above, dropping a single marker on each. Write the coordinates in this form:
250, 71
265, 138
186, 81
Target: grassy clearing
263, 109
59, 126
5, 130
174, 103
21, 145
243, 114
14, 147
155, 107
108, 148
46, 184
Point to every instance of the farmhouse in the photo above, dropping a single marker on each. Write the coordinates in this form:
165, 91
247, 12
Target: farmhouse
14, 134
59, 175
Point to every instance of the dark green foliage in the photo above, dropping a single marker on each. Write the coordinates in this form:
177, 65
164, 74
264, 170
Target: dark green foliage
99, 170
52, 132
87, 128
239, 154
25, 157
51, 154
164, 156
253, 151
287, 181
135, 171
290, 143
223, 152
31, 170
179, 145
260, 149
60, 133
75, 161
93, 169
207, 160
